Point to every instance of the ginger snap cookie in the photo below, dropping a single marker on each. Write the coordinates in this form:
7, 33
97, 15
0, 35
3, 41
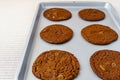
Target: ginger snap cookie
106, 64
57, 14
91, 14
99, 34
56, 33
56, 65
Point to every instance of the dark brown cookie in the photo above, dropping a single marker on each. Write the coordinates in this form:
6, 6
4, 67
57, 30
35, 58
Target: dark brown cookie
99, 34
106, 64
56, 33
57, 14
56, 65
91, 14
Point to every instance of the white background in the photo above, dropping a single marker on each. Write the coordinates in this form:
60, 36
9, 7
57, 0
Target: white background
16, 18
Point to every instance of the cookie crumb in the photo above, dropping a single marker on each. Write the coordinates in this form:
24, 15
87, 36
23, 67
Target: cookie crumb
60, 77
101, 32
102, 67
113, 64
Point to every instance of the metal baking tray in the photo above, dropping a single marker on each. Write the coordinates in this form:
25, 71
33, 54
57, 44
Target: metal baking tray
77, 45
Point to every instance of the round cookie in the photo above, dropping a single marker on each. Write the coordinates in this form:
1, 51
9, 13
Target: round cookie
99, 34
57, 14
56, 65
56, 33
91, 14
106, 64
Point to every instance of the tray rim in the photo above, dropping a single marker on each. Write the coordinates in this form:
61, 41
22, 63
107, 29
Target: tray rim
35, 18
29, 35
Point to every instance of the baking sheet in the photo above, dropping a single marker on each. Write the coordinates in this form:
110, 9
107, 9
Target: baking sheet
77, 45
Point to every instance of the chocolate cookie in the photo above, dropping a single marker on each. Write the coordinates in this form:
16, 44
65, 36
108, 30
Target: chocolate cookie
57, 14
91, 14
56, 65
99, 34
106, 64
56, 33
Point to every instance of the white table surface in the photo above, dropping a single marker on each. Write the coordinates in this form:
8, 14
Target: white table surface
16, 18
